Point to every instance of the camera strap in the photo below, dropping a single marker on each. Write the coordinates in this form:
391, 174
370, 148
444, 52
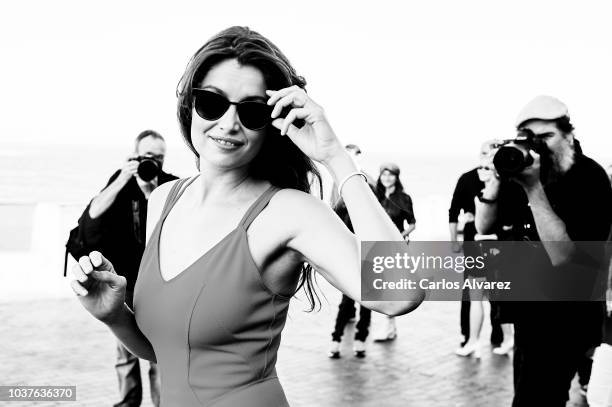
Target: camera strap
136, 221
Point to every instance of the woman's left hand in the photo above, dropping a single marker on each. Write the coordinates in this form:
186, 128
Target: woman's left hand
315, 138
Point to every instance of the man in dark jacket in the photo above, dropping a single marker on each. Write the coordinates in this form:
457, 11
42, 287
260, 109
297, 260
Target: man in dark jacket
115, 225
560, 199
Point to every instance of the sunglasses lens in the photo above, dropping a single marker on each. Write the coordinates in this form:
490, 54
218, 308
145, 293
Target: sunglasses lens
254, 115
209, 105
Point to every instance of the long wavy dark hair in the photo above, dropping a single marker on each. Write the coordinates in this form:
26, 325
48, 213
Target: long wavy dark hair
279, 161
380, 188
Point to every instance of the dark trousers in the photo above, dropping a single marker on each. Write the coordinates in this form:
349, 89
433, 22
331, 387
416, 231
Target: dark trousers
346, 311
585, 364
471, 248
465, 314
497, 335
128, 374
130, 382
607, 335
544, 365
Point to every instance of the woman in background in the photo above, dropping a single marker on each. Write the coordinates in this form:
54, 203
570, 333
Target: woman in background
398, 205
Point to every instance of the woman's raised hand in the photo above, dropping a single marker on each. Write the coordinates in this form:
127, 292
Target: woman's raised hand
99, 288
315, 138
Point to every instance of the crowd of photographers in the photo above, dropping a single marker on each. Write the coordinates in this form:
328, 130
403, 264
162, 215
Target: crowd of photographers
539, 186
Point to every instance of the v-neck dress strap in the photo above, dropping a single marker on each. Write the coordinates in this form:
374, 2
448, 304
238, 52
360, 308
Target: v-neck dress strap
257, 207
175, 193
172, 194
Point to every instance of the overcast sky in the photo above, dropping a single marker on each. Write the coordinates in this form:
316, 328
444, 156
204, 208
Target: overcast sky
425, 77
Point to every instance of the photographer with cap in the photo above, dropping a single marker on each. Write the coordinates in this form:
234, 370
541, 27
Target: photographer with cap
545, 189
116, 221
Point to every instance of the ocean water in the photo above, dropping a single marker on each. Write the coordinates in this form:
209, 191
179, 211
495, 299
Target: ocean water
65, 174
70, 175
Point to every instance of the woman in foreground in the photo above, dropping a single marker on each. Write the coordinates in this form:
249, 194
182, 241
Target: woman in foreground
227, 249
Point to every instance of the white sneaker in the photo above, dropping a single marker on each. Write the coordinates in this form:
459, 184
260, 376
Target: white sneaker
504, 348
359, 348
334, 350
387, 335
468, 349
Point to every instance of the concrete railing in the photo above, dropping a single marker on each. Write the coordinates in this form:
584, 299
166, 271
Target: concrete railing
32, 247
33, 237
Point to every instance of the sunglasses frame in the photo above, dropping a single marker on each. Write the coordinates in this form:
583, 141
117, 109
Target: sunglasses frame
229, 103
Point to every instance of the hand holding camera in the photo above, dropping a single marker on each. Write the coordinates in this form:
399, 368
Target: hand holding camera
530, 176
129, 169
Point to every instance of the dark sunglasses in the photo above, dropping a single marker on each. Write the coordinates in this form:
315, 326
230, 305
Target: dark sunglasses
253, 114
484, 167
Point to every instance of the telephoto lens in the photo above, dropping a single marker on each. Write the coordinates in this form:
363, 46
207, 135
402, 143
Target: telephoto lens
148, 168
511, 160
513, 157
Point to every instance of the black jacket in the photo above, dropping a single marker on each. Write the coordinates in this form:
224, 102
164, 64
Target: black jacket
120, 232
582, 199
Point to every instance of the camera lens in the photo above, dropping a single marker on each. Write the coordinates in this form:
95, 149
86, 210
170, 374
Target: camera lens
148, 169
510, 160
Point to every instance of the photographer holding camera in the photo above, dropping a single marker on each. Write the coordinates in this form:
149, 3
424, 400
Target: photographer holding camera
116, 221
546, 190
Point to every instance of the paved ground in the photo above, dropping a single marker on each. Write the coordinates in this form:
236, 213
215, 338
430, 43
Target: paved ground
55, 342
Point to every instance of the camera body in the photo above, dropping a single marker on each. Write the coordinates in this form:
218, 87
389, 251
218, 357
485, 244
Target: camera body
513, 154
149, 166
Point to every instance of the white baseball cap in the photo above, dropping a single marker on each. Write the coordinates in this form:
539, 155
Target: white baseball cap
543, 108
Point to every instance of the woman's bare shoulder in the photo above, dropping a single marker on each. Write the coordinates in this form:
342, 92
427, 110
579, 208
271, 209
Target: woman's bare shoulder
300, 209
295, 201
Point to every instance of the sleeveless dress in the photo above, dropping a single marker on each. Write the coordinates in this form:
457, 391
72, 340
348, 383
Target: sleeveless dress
215, 327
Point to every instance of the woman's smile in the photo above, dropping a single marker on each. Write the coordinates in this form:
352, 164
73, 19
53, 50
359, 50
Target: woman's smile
226, 143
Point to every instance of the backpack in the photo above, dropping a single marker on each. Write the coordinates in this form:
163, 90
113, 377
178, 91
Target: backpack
76, 245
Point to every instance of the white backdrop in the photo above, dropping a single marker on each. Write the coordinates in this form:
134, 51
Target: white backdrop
432, 77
